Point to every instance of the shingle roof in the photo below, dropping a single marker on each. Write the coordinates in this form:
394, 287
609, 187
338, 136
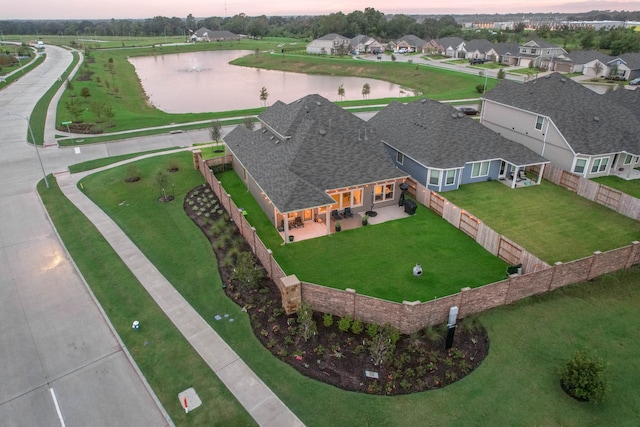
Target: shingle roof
322, 147
507, 48
632, 60
439, 136
412, 40
481, 45
584, 56
629, 99
332, 36
449, 41
591, 123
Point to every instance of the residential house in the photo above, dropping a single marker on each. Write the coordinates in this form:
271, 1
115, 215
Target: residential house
441, 148
366, 44
540, 54
480, 49
448, 46
311, 157
572, 126
507, 53
330, 44
411, 43
625, 66
591, 63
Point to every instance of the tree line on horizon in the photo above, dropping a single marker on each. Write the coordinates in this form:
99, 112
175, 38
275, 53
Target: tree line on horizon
370, 22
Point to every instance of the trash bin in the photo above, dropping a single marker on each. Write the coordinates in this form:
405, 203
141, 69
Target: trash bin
410, 206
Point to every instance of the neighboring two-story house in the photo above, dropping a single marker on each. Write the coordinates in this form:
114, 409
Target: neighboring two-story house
572, 126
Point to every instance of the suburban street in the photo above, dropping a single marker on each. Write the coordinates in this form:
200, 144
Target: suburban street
62, 363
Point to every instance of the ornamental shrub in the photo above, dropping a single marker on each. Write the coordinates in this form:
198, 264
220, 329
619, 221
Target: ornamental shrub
582, 378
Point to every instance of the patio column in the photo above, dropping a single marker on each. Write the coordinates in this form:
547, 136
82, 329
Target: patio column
285, 224
541, 173
327, 221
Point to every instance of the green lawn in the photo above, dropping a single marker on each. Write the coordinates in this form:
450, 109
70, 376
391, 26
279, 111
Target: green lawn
516, 384
550, 222
429, 81
631, 187
168, 362
377, 260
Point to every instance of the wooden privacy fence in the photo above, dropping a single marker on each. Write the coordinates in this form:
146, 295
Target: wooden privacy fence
614, 199
411, 316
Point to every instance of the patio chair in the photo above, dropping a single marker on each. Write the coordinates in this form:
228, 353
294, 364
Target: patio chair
336, 215
521, 175
298, 222
347, 213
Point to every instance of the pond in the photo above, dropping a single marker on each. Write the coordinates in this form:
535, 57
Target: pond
197, 82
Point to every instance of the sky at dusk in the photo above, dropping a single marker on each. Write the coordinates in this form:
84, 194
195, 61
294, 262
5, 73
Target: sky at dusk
122, 9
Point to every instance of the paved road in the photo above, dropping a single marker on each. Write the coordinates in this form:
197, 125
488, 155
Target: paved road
61, 363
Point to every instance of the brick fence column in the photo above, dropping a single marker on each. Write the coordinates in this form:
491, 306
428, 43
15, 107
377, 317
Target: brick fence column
634, 255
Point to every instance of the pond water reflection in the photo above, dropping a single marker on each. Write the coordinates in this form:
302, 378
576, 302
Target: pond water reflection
196, 82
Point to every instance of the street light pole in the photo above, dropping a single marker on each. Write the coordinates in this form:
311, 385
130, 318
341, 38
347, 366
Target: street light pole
46, 181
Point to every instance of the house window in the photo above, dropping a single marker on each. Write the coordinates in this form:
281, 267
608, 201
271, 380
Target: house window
533, 51
347, 199
599, 165
434, 177
539, 122
628, 159
580, 165
383, 192
451, 177
479, 169
399, 157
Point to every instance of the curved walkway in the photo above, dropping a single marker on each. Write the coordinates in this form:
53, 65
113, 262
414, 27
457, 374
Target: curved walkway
62, 362
261, 403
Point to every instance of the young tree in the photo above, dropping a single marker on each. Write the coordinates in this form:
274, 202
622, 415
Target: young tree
366, 90
75, 108
264, 95
501, 74
308, 327
597, 67
341, 91
215, 132
162, 181
248, 122
246, 271
85, 92
383, 344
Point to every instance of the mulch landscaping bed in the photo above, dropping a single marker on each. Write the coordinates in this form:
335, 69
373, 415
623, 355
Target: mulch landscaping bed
341, 352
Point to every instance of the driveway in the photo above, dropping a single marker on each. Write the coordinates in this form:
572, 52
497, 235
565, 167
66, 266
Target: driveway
62, 363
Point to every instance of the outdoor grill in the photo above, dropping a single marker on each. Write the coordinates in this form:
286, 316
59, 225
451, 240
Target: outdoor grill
410, 206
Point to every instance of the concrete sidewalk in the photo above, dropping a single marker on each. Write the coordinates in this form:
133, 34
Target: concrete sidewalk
261, 403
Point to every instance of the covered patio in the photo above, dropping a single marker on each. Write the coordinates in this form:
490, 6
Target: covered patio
313, 229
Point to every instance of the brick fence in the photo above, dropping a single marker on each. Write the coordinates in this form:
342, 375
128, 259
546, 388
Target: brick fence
538, 277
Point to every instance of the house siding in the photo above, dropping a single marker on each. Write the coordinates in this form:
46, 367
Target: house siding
519, 126
255, 191
410, 166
